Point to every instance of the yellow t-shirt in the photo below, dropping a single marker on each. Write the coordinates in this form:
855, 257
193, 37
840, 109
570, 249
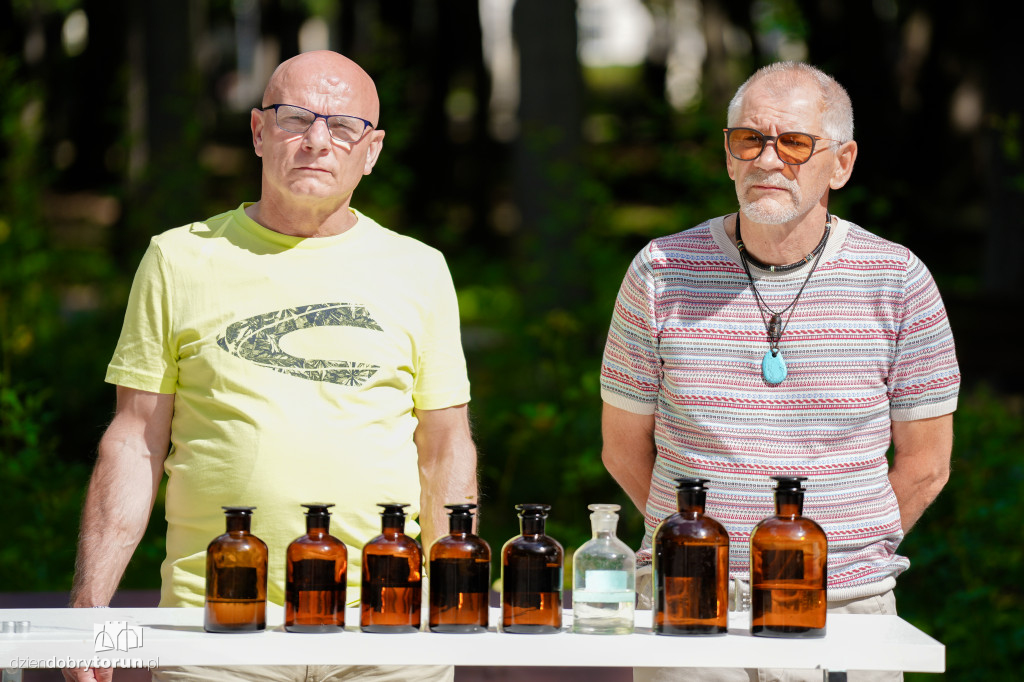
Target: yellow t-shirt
295, 364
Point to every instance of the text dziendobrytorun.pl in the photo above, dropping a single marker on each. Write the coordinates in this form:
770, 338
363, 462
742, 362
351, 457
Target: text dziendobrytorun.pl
94, 662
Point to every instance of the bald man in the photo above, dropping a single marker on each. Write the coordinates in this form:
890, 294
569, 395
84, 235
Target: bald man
288, 351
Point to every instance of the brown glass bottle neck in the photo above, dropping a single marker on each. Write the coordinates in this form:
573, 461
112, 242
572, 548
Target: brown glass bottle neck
392, 525
460, 525
317, 525
691, 501
239, 523
789, 503
531, 525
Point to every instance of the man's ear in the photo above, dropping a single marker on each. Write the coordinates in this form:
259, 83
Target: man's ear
845, 158
373, 151
256, 123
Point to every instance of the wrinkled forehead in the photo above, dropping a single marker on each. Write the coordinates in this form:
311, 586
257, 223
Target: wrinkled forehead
774, 105
325, 86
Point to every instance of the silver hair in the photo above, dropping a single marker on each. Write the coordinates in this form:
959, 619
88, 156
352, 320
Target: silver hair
836, 107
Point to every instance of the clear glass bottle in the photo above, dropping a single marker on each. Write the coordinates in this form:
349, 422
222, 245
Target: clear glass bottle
317, 574
236, 577
788, 568
460, 576
603, 578
531, 576
392, 586
690, 554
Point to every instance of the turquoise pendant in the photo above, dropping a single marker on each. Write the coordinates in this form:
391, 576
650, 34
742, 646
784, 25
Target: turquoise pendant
773, 367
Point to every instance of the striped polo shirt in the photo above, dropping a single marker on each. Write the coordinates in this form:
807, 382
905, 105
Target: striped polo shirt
868, 342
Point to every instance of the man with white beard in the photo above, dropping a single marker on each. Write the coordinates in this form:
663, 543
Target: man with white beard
782, 339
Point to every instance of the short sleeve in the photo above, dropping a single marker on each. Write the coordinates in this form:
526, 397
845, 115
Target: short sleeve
631, 369
145, 357
924, 380
441, 378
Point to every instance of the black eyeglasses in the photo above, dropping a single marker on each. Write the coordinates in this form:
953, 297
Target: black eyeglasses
746, 144
342, 127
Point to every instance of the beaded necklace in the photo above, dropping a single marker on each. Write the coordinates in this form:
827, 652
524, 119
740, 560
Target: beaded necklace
781, 268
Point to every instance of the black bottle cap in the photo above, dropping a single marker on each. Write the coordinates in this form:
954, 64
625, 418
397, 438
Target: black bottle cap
687, 483
393, 509
318, 508
460, 509
234, 511
533, 509
789, 483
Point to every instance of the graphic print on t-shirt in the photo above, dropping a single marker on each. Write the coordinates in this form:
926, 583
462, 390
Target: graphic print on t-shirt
258, 340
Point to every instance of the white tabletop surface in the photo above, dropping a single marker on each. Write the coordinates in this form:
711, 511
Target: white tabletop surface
176, 637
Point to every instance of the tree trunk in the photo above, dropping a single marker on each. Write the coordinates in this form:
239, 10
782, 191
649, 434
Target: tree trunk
548, 152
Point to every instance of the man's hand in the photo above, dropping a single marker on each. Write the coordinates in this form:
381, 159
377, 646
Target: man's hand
88, 674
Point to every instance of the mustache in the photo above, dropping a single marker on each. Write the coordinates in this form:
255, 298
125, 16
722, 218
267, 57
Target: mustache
775, 179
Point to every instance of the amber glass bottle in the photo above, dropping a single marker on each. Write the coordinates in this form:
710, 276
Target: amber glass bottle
236, 577
788, 568
392, 587
531, 576
691, 567
317, 573
460, 576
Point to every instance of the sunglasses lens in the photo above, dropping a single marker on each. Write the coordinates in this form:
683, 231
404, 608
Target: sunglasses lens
745, 143
794, 147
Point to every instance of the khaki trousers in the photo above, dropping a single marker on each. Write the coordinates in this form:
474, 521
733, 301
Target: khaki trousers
882, 604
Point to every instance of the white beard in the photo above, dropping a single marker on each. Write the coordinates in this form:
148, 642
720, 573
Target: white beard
767, 210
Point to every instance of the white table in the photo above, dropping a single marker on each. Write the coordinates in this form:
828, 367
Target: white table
59, 637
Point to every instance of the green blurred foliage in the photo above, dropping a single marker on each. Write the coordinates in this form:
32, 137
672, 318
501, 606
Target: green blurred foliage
40, 490
967, 552
50, 362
